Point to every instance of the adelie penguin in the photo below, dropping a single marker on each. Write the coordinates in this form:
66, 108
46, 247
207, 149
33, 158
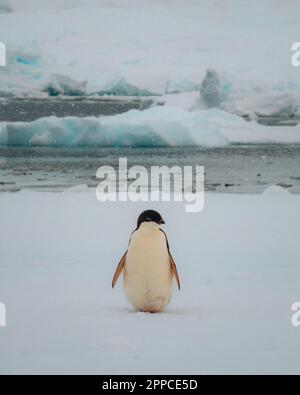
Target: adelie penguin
148, 266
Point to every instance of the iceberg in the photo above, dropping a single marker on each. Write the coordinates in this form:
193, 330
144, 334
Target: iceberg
180, 86
155, 127
212, 90
62, 85
121, 87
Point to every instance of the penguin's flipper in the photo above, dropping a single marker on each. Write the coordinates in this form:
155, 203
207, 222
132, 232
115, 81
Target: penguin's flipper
119, 269
174, 270
173, 266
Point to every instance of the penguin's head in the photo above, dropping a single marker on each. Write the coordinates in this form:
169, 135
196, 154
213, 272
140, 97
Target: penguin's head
149, 216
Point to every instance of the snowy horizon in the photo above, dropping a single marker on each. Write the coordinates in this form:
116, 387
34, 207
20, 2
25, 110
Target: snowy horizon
197, 57
150, 44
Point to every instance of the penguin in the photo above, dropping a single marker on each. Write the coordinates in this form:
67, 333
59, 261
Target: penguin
148, 265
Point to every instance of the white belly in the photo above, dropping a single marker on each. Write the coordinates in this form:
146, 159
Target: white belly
147, 273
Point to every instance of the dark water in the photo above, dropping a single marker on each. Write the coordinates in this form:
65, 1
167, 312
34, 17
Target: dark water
28, 110
237, 168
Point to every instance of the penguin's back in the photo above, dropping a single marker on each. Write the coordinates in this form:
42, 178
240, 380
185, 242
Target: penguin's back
147, 273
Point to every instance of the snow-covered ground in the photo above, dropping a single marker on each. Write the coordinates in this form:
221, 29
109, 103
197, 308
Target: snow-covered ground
239, 264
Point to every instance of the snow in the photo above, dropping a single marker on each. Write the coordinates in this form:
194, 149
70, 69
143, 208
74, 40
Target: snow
239, 265
275, 190
158, 126
140, 47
